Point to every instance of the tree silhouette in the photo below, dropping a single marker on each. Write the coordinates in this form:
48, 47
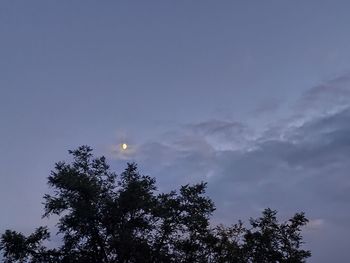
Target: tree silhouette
108, 218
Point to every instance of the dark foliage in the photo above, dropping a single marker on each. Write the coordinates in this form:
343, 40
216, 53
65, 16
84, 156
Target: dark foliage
104, 218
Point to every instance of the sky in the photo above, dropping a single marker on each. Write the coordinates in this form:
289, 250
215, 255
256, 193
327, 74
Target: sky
251, 96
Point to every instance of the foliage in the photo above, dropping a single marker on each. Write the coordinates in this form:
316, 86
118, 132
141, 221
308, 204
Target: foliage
108, 218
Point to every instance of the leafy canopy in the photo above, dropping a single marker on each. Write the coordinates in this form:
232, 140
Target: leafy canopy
108, 218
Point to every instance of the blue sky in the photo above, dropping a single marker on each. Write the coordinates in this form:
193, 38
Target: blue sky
251, 96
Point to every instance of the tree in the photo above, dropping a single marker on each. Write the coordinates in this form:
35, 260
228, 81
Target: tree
107, 218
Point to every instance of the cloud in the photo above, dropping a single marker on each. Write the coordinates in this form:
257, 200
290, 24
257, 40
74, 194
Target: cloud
326, 97
299, 163
221, 134
298, 169
316, 223
218, 127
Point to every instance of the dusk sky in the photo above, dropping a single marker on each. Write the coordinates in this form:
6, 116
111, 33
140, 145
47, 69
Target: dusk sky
251, 96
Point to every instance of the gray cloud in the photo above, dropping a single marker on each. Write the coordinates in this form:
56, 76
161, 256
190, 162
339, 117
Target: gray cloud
308, 171
222, 134
297, 164
221, 127
328, 96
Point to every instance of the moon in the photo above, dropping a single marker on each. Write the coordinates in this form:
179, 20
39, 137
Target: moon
124, 146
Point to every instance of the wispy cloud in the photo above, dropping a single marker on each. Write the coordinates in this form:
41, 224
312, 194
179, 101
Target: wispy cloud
329, 96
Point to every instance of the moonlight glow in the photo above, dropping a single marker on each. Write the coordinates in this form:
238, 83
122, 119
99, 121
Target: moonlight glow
124, 146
